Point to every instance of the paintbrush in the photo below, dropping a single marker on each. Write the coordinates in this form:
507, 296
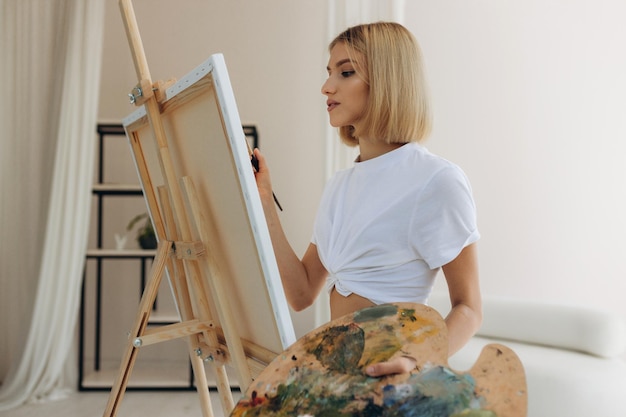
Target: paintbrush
255, 164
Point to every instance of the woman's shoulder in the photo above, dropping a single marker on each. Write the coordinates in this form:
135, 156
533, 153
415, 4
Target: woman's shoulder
426, 163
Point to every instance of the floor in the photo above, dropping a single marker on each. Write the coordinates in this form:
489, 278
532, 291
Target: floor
134, 404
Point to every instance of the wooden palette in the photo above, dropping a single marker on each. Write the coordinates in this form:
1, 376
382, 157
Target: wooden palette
322, 374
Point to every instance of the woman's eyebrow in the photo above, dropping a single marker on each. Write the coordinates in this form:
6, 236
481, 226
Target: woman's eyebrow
340, 63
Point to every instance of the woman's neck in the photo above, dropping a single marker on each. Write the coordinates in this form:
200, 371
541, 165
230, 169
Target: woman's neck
369, 149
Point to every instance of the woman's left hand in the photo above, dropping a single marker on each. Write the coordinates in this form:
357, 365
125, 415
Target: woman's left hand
399, 365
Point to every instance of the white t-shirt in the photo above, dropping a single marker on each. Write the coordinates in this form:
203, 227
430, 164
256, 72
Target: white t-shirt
386, 225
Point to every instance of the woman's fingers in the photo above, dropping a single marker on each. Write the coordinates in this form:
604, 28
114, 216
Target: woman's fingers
399, 365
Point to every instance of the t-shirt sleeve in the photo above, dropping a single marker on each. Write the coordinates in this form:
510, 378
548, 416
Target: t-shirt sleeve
444, 218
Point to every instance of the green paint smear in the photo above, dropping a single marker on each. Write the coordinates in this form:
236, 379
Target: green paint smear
375, 313
341, 348
408, 313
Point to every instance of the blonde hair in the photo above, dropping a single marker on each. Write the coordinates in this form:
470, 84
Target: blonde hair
398, 109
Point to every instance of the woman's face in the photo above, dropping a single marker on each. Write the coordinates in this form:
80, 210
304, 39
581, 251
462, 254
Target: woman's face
346, 91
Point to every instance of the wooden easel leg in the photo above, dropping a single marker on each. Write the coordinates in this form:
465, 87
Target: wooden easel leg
202, 385
182, 298
178, 282
202, 281
223, 385
141, 322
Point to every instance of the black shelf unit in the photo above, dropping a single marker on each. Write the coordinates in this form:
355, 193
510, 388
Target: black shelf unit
99, 255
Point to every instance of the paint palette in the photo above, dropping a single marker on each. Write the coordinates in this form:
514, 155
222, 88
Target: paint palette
322, 374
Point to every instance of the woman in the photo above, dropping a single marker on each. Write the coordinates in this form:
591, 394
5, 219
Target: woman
386, 225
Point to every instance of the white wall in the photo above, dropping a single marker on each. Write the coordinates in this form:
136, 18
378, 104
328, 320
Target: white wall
529, 98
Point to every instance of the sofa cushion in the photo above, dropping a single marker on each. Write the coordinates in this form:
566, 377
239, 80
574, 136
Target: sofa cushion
560, 382
563, 326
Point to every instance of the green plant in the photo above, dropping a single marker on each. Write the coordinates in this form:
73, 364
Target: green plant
146, 237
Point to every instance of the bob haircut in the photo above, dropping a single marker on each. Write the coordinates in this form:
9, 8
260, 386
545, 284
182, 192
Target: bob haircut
398, 109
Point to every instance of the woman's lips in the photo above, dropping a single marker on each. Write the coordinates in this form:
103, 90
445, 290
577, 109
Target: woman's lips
331, 104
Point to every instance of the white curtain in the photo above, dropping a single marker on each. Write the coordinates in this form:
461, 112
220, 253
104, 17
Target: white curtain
341, 15
50, 65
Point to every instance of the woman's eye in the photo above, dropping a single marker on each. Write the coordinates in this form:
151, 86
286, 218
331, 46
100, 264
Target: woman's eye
347, 74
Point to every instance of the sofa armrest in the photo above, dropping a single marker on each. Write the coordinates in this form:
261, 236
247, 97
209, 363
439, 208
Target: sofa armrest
584, 329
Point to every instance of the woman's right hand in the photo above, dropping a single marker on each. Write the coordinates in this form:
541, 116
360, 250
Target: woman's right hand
263, 180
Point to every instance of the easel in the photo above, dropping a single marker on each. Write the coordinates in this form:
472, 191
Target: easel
196, 281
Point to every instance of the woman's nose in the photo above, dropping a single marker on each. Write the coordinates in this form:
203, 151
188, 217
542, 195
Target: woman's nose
328, 87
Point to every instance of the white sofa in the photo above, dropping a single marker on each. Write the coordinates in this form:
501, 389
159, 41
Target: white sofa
573, 357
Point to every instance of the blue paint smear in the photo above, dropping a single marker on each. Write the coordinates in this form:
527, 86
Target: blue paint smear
434, 393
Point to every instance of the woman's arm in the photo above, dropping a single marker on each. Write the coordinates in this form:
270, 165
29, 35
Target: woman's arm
302, 279
464, 318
